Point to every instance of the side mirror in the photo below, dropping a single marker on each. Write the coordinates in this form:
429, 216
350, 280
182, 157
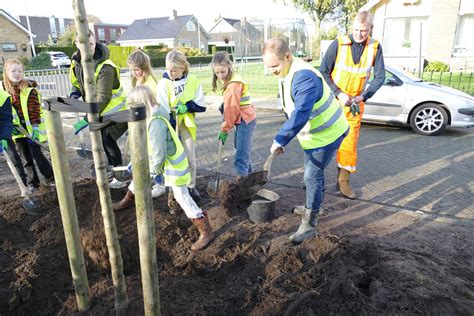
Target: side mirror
392, 82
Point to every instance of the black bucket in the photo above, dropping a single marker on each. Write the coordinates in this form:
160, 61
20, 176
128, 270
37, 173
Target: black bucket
262, 208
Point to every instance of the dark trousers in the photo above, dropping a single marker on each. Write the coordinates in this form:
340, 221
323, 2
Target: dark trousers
110, 135
15, 158
30, 153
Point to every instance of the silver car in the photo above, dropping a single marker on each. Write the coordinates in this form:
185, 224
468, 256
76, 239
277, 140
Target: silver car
427, 107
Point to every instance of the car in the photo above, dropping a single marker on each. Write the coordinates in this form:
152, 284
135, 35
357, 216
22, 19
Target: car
59, 59
425, 106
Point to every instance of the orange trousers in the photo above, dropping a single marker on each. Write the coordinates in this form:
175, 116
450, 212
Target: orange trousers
346, 156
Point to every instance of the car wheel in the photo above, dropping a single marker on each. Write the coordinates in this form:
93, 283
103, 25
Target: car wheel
429, 119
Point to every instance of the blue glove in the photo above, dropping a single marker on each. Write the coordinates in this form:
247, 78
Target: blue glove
35, 134
222, 136
159, 179
181, 108
80, 125
129, 168
3, 145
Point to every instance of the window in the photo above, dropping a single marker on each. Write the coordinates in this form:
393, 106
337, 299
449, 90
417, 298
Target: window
402, 36
463, 44
184, 43
113, 35
101, 32
9, 47
190, 26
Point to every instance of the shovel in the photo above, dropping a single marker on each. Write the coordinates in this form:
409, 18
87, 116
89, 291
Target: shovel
29, 204
82, 151
252, 183
213, 186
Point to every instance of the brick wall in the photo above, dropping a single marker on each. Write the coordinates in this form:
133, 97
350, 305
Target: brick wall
12, 34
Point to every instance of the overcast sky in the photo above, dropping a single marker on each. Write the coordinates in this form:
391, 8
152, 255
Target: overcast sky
128, 11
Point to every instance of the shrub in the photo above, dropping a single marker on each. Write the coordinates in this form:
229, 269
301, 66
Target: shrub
41, 61
119, 55
436, 66
213, 49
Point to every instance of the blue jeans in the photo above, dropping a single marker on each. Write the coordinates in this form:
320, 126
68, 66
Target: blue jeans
314, 165
243, 147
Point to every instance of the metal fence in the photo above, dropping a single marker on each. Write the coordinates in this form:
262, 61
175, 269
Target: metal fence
51, 82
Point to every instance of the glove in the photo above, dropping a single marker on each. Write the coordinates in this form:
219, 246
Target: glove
80, 125
181, 108
159, 179
15, 131
3, 145
129, 168
35, 134
276, 148
355, 109
222, 136
221, 108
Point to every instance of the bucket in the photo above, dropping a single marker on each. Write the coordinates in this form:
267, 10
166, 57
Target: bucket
262, 208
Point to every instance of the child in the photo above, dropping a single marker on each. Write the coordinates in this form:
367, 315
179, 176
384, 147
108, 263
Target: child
140, 69
6, 126
142, 74
167, 157
27, 114
237, 110
182, 93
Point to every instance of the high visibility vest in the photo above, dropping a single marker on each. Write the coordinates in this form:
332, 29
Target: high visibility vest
177, 171
349, 77
3, 96
24, 95
326, 122
118, 102
151, 83
190, 87
245, 98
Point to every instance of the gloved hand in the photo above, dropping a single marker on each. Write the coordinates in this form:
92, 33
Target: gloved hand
35, 134
15, 131
355, 109
222, 136
80, 125
3, 145
159, 179
181, 108
129, 168
277, 148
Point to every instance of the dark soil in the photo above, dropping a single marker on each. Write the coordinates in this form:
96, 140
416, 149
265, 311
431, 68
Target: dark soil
365, 261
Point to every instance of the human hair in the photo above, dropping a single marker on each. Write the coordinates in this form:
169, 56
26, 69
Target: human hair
142, 94
365, 17
221, 59
277, 46
141, 60
177, 58
9, 85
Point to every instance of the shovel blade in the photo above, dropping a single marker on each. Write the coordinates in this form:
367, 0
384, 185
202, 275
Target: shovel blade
31, 206
83, 153
212, 189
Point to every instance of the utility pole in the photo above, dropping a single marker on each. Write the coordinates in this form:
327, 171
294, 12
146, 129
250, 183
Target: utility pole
29, 31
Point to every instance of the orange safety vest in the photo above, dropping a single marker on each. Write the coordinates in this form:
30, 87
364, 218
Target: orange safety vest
349, 77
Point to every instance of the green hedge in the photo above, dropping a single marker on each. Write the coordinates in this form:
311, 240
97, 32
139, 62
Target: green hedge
119, 55
158, 62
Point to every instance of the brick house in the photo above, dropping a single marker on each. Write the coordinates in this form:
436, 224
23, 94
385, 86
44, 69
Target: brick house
14, 38
108, 33
446, 31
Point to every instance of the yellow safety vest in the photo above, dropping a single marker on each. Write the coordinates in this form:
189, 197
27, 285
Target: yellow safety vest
177, 171
350, 77
118, 102
151, 83
3, 96
190, 87
245, 98
326, 122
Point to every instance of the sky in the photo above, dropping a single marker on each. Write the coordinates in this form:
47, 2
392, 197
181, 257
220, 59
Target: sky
114, 12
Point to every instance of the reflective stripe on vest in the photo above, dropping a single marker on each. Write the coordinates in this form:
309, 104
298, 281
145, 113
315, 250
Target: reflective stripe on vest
190, 87
349, 77
24, 95
245, 98
327, 121
118, 101
177, 171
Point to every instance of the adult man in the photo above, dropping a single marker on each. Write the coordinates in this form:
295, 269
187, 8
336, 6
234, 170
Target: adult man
109, 95
346, 67
315, 118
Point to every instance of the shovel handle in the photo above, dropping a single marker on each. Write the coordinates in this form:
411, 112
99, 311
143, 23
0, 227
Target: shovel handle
21, 185
25, 132
268, 162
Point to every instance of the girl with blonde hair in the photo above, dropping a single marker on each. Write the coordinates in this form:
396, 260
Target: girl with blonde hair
141, 71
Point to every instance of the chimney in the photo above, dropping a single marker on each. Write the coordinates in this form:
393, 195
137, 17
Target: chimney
174, 14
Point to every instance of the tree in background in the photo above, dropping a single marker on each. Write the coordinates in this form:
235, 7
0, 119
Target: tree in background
346, 12
68, 38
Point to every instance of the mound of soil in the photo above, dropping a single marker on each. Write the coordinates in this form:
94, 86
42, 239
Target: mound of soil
353, 267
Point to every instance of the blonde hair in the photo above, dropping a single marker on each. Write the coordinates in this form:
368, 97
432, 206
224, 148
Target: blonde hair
221, 59
142, 95
142, 61
177, 58
9, 85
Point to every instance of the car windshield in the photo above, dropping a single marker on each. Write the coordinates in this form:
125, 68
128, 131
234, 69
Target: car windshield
410, 75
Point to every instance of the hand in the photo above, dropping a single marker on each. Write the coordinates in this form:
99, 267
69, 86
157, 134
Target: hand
344, 99
80, 125
129, 168
181, 108
15, 131
222, 136
358, 99
159, 179
277, 148
3, 145
35, 134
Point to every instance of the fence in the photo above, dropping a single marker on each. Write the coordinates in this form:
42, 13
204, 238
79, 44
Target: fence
55, 82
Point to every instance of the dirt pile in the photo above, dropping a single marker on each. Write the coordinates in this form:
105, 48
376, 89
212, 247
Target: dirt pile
248, 269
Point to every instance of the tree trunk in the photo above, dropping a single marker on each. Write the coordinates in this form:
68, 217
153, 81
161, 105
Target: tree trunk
100, 161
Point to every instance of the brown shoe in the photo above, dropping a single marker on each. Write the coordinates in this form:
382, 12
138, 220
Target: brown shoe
127, 201
343, 183
205, 232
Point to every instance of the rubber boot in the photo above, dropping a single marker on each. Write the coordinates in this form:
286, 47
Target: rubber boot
307, 228
127, 201
206, 235
299, 210
343, 183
